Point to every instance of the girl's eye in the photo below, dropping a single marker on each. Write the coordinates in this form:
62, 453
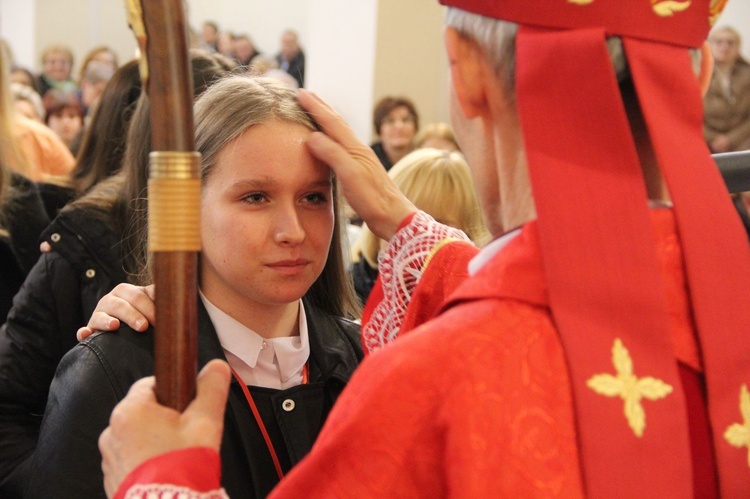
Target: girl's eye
254, 198
316, 198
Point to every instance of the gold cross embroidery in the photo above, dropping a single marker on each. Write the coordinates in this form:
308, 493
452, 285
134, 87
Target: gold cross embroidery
738, 434
629, 387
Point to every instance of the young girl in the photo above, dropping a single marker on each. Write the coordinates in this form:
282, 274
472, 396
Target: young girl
273, 297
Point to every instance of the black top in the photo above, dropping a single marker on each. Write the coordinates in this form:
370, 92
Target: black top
295, 67
364, 277
382, 156
55, 197
57, 297
24, 218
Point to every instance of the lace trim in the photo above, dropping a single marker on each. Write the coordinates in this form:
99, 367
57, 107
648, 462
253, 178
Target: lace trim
401, 266
169, 491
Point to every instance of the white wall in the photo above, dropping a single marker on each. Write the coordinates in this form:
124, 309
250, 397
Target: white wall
737, 15
340, 58
18, 28
31, 25
411, 59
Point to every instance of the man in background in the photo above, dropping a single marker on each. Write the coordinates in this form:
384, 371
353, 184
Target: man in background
291, 58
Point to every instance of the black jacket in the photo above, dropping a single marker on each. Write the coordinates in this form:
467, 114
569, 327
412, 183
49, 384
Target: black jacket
364, 278
55, 197
58, 296
23, 220
96, 375
296, 67
382, 156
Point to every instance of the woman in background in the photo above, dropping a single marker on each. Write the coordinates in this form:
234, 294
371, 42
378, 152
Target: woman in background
726, 105
437, 136
27, 102
103, 143
438, 183
102, 55
64, 115
396, 123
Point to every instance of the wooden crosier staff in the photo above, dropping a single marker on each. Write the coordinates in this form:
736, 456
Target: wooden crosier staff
174, 194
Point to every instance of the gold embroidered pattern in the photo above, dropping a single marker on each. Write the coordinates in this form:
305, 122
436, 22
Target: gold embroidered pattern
629, 387
437, 248
738, 435
667, 8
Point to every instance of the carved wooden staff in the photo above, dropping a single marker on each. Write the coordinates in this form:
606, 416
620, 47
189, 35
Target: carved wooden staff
174, 194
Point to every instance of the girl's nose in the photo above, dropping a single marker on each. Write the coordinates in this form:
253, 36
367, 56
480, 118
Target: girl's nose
288, 228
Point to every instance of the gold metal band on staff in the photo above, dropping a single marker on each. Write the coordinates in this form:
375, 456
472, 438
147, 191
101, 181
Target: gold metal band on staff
174, 190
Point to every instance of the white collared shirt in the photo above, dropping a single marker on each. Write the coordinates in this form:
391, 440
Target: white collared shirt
491, 249
271, 363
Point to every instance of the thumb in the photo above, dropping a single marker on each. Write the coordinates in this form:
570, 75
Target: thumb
212, 391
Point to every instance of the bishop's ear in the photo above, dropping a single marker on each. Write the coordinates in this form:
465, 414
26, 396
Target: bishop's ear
468, 69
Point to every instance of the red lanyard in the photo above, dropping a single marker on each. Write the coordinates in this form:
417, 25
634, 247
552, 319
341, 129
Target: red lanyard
259, 420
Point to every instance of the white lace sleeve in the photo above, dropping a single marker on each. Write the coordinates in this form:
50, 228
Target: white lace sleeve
167, 491
400, 266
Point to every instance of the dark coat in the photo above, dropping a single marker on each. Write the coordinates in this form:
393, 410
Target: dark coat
23, 220
55, 197
58, 296
382, 156
96, 375
364, 278
296, 67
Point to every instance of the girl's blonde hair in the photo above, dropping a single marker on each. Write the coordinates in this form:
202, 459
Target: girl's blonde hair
438, 183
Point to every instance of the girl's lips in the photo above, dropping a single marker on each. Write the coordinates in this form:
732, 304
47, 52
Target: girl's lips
289, 263
289, 266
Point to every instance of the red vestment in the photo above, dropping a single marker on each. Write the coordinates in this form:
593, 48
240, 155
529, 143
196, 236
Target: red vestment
476, 403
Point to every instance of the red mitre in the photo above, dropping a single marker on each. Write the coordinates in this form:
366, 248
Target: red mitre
599, 256
680, 22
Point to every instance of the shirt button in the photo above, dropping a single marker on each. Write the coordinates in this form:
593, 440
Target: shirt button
55, 237
90, 273
288, 405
